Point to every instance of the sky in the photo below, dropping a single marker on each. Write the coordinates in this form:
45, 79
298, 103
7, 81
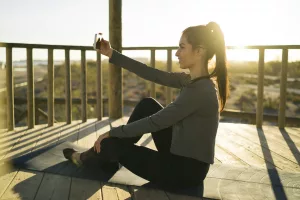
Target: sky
148, 23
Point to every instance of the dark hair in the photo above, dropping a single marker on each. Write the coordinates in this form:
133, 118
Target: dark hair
211, 37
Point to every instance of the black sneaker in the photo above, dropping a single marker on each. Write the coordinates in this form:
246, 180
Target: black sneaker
68, 152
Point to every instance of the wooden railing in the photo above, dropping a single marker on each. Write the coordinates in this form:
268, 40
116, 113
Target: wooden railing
99, 107
30, 83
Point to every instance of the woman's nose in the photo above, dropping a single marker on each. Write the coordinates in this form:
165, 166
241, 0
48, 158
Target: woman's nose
176, 54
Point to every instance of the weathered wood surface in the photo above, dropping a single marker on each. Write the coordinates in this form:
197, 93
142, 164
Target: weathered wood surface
250, 163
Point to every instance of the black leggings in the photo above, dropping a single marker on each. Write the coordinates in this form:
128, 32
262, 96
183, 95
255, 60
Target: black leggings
161, 168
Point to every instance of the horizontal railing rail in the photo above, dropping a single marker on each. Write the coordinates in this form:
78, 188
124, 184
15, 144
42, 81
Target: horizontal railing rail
99, 110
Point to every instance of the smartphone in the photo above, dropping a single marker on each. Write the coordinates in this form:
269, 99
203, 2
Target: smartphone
97, 41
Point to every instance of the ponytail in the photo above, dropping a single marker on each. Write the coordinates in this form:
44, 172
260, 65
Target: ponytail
217, 47
212, 37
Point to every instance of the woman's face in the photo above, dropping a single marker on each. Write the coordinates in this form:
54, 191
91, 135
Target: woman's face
186, 55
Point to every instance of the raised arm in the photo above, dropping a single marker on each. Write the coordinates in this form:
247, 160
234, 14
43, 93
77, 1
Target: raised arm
170, 79
188, 102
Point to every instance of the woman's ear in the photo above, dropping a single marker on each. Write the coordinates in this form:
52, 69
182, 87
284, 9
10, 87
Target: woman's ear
200, 50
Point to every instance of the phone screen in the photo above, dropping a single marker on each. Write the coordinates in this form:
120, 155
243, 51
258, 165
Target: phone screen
97, 41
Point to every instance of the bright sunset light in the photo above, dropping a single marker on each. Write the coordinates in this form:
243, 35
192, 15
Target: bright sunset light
149, 23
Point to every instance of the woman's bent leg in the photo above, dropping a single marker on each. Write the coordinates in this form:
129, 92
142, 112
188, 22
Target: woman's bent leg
145, 108
165, 170
162, 138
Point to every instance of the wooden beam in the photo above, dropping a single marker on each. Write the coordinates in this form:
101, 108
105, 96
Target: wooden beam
30, 90
283, 80
68, 87
152, 64
83, 87
88, 48
115, 73
50, 88
99, 110
169, 69
10, 90
260, 89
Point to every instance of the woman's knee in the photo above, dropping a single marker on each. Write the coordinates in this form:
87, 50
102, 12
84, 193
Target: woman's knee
109, 143
150, 102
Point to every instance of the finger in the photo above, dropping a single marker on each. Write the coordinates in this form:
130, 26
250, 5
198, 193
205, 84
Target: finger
98, 148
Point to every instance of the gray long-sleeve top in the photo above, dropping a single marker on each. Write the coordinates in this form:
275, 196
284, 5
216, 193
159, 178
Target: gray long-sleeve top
194, 115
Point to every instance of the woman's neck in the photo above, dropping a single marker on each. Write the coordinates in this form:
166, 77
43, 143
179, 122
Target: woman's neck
198, 71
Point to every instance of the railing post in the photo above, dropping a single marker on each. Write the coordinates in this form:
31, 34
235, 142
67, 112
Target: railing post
169, 69
152, 64
283, 80
260, 89
99, 99
36, 113
68, 88
30, 90
83, 87
115, 73
50, 88
10, 90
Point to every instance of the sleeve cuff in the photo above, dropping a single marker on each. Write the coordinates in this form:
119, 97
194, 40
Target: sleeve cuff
117, 132
113, 56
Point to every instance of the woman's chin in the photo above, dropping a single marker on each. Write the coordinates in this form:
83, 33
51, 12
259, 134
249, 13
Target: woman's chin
181, 66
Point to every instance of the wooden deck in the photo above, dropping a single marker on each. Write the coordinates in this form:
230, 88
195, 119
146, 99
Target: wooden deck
245, 158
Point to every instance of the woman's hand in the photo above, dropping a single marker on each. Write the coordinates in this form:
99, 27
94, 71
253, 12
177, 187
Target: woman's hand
105, 48
98, 141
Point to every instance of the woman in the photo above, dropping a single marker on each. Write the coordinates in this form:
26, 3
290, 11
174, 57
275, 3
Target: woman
184, 131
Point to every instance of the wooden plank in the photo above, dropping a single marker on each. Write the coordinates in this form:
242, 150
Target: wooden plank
115, 191
263, 152
293, 130
24, 186
109, 193
10, 139
226, 157
54, 187
240, 151
271, 140
7, 174
26, 143
293, 135
85, 189
102, 126
49, 136
87, 134
142, 193
69, 132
